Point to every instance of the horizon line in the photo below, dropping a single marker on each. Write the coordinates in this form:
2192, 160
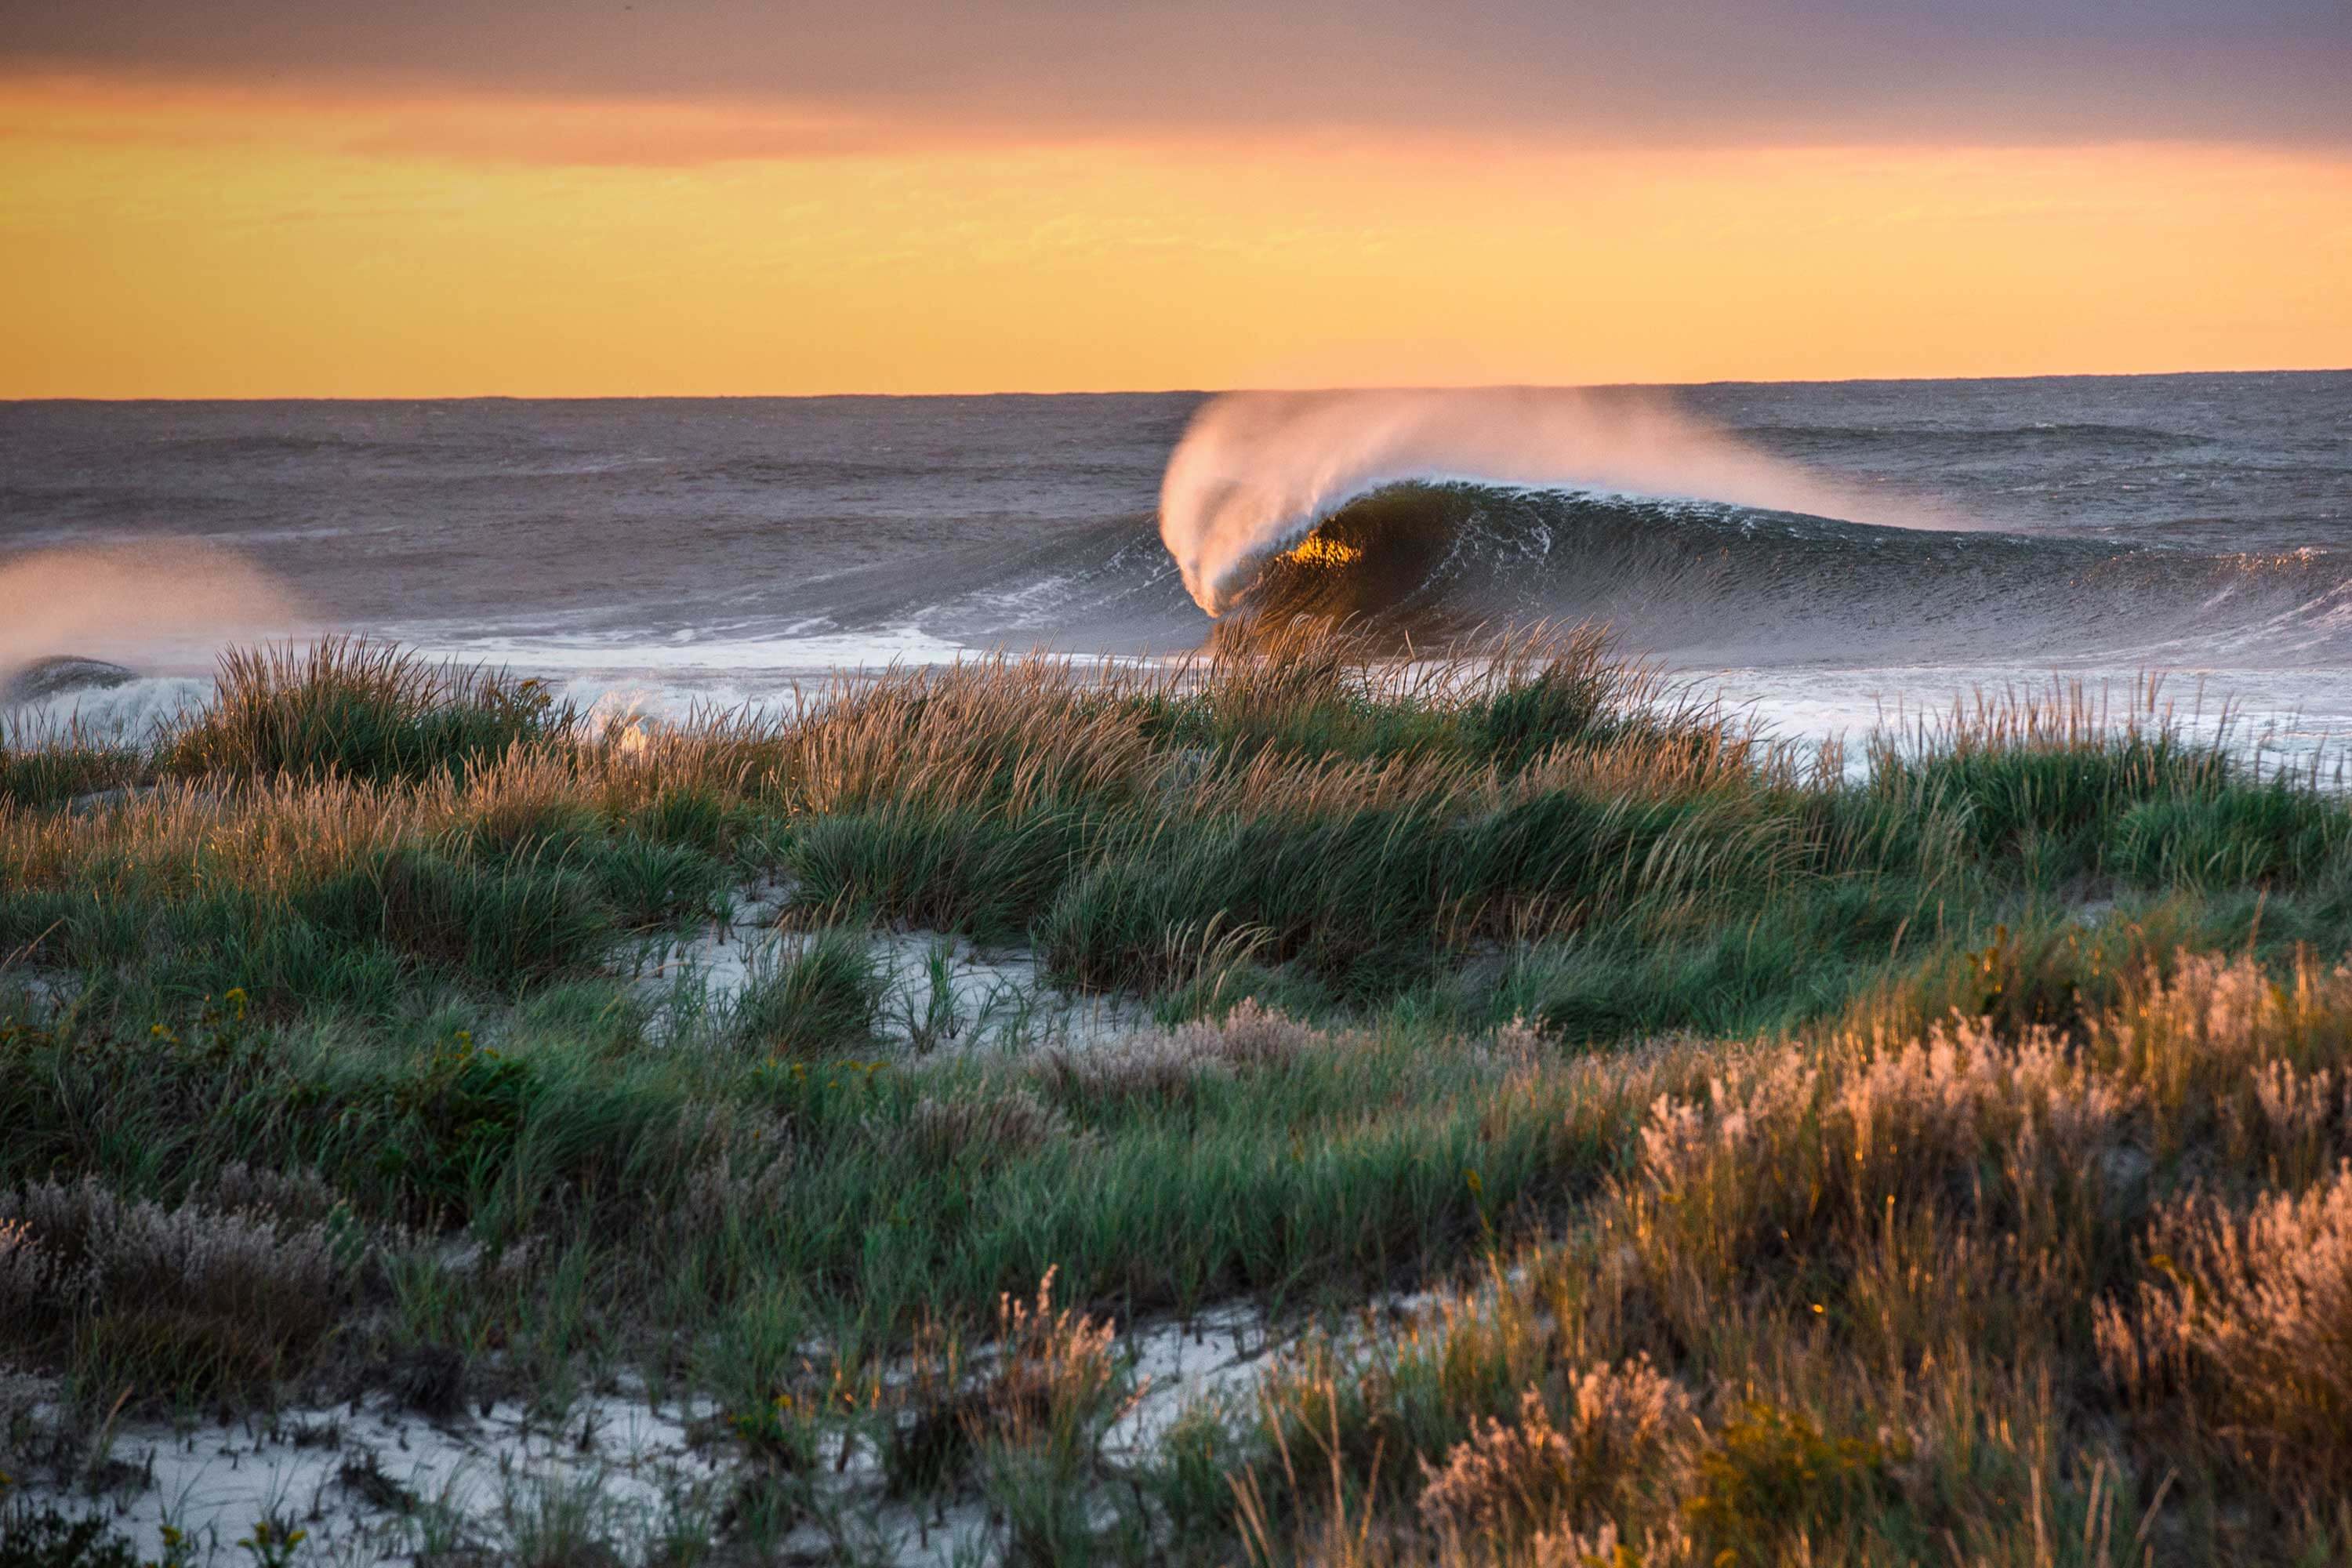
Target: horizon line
1167, 391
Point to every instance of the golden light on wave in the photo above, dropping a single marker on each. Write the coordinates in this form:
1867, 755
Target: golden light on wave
1317, 550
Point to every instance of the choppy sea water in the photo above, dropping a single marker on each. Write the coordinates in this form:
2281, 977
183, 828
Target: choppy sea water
664, 552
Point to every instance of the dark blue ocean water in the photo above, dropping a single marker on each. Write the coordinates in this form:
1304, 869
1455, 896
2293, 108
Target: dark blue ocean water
2199, 524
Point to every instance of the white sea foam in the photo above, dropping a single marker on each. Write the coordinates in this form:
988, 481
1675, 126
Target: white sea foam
813, 652
129, 713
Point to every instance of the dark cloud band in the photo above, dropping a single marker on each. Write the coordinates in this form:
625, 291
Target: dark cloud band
1998, 71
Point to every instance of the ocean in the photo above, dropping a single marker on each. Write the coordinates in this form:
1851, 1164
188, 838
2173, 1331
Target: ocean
1828, 557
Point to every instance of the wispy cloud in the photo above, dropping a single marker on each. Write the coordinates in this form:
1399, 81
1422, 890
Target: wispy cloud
805, 76
381, 119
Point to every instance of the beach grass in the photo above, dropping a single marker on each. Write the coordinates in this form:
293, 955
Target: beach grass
1664, 1143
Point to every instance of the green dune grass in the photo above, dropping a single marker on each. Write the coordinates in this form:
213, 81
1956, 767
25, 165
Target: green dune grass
1939, 1160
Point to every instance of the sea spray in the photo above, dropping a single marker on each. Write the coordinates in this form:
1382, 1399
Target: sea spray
175, 602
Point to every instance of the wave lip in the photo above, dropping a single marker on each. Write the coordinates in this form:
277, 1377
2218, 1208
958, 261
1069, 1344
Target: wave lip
1257, 472
61, 675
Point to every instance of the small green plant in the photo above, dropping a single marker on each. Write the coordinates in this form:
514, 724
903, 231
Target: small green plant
780, 1431
938, 1020
502, 925
53, 771
1771, 1471
451, 1121
1565, 703
273, 1541
178, 1551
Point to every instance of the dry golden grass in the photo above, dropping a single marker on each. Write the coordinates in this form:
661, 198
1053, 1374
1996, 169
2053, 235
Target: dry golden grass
1017, 733
1623, 1429
182, 837
1864, 1295
2246, 1327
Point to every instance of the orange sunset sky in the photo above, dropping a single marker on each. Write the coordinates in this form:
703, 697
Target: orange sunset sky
558, 199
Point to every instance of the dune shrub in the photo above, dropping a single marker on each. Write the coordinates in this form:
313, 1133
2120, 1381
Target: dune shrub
1620, 1432
1165, 1067
502, 924
358, 710
2279, 834
822, 997
2243, 1327
194, 1297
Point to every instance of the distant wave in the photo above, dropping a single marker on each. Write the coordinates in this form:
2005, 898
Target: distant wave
1964, 440
282, 444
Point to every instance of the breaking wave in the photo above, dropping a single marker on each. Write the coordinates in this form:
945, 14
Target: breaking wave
157, 601
1431, 513
1257, 472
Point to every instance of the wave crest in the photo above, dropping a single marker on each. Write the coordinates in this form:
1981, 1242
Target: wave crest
1257, 472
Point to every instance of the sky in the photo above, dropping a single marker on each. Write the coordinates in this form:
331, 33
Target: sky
553, 197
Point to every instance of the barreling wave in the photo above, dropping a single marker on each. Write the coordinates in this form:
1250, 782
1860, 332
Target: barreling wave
1433, 512
1716, 582
1258, 472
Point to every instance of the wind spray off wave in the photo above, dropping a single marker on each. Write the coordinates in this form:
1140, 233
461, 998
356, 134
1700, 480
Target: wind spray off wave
1257, 472
170, 601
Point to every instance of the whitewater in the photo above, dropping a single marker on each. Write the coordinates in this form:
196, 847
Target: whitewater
1829, 555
